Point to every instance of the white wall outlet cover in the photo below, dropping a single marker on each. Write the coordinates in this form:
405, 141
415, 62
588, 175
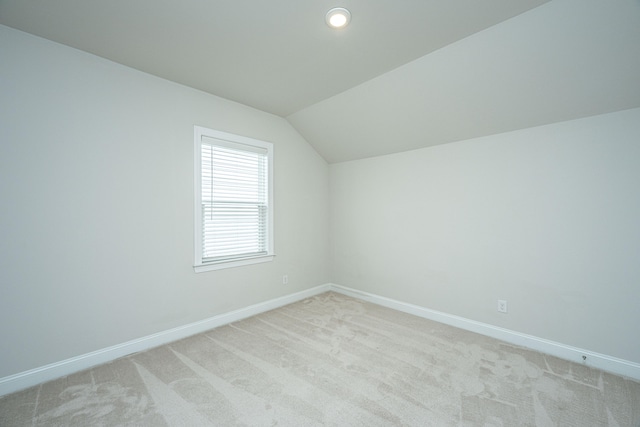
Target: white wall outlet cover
502, 306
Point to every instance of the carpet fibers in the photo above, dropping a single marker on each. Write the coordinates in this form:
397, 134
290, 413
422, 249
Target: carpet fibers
331, 360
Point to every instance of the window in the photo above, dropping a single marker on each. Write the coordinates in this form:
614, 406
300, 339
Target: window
234, 200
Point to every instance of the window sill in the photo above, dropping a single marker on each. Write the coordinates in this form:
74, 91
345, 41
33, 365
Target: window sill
200, 268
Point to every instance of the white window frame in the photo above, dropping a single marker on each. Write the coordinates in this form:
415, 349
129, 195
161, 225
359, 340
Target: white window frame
226, 139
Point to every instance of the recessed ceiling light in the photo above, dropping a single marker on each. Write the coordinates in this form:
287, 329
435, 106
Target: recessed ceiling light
338, 17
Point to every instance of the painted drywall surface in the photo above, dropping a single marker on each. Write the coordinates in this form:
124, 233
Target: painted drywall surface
560, 61
547, 218
96, 186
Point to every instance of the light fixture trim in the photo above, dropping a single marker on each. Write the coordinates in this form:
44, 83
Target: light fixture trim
338, 17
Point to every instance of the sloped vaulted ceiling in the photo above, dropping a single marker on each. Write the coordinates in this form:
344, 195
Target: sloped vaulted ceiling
564, 60
403, 75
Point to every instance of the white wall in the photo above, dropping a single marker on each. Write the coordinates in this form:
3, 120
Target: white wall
547, 218
96, 217
96, 223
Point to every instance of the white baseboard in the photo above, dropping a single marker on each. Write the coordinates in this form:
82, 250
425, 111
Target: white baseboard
563, 351
55, 370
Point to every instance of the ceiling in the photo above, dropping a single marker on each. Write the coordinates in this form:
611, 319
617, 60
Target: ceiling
402, 75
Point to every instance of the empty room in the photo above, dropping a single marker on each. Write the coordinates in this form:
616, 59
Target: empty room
320, 213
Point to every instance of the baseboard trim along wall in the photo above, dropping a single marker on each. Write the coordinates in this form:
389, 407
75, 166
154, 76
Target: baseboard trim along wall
55, 370
566, 352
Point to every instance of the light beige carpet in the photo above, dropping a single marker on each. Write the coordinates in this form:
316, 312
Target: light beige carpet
331, 360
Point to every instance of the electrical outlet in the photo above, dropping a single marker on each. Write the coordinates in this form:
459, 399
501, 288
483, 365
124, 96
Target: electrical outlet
285, 279
502, 306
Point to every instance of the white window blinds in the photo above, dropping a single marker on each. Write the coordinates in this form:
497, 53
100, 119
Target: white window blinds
234, 201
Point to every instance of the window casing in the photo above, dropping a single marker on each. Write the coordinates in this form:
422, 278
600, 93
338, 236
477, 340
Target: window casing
233, 200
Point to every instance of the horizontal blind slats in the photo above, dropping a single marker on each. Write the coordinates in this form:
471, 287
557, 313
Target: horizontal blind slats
234, 202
